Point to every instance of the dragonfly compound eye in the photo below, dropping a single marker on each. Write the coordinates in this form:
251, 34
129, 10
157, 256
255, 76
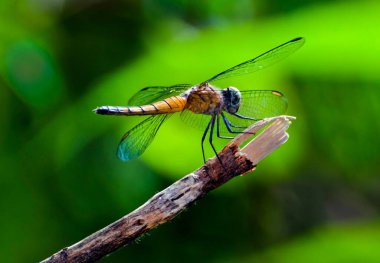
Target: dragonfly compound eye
231, 99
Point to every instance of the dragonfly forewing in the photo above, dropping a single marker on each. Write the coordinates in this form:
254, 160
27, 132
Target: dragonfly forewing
260, 62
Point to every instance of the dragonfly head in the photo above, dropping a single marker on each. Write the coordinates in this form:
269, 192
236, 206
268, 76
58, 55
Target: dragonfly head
231, 99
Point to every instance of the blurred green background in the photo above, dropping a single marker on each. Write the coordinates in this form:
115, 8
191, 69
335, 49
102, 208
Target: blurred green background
316, 199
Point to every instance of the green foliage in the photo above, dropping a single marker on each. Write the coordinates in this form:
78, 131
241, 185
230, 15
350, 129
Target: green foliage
60, 176
333, 244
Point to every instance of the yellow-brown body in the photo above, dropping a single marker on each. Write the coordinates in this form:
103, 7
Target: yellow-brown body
199, 99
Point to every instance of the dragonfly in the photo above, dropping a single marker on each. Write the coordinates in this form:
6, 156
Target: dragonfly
227, 111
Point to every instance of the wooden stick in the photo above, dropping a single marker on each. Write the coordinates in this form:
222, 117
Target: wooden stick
168, 203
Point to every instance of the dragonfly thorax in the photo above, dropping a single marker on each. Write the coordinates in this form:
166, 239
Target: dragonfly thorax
231, 99
204, 100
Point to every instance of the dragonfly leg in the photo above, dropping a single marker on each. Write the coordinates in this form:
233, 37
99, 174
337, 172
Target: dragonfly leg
228, 123
218, 129
203, 139
244, 117
210, 138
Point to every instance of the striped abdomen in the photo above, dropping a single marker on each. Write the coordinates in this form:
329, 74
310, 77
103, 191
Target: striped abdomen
169, 105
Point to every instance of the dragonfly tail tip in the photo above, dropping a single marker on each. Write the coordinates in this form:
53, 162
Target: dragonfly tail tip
101, 110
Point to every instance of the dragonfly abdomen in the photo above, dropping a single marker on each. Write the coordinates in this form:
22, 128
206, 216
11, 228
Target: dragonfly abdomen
169, 105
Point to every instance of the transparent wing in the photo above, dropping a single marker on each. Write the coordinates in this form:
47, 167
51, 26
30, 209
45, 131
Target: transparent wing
136, 140
261, 104
198, 121
153, 94
264, 60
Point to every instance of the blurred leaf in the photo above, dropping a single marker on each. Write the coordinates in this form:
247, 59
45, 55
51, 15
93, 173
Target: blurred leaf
346, 243
32, 74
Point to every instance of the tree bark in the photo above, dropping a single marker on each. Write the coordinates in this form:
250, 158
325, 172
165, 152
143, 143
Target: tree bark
168, 203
